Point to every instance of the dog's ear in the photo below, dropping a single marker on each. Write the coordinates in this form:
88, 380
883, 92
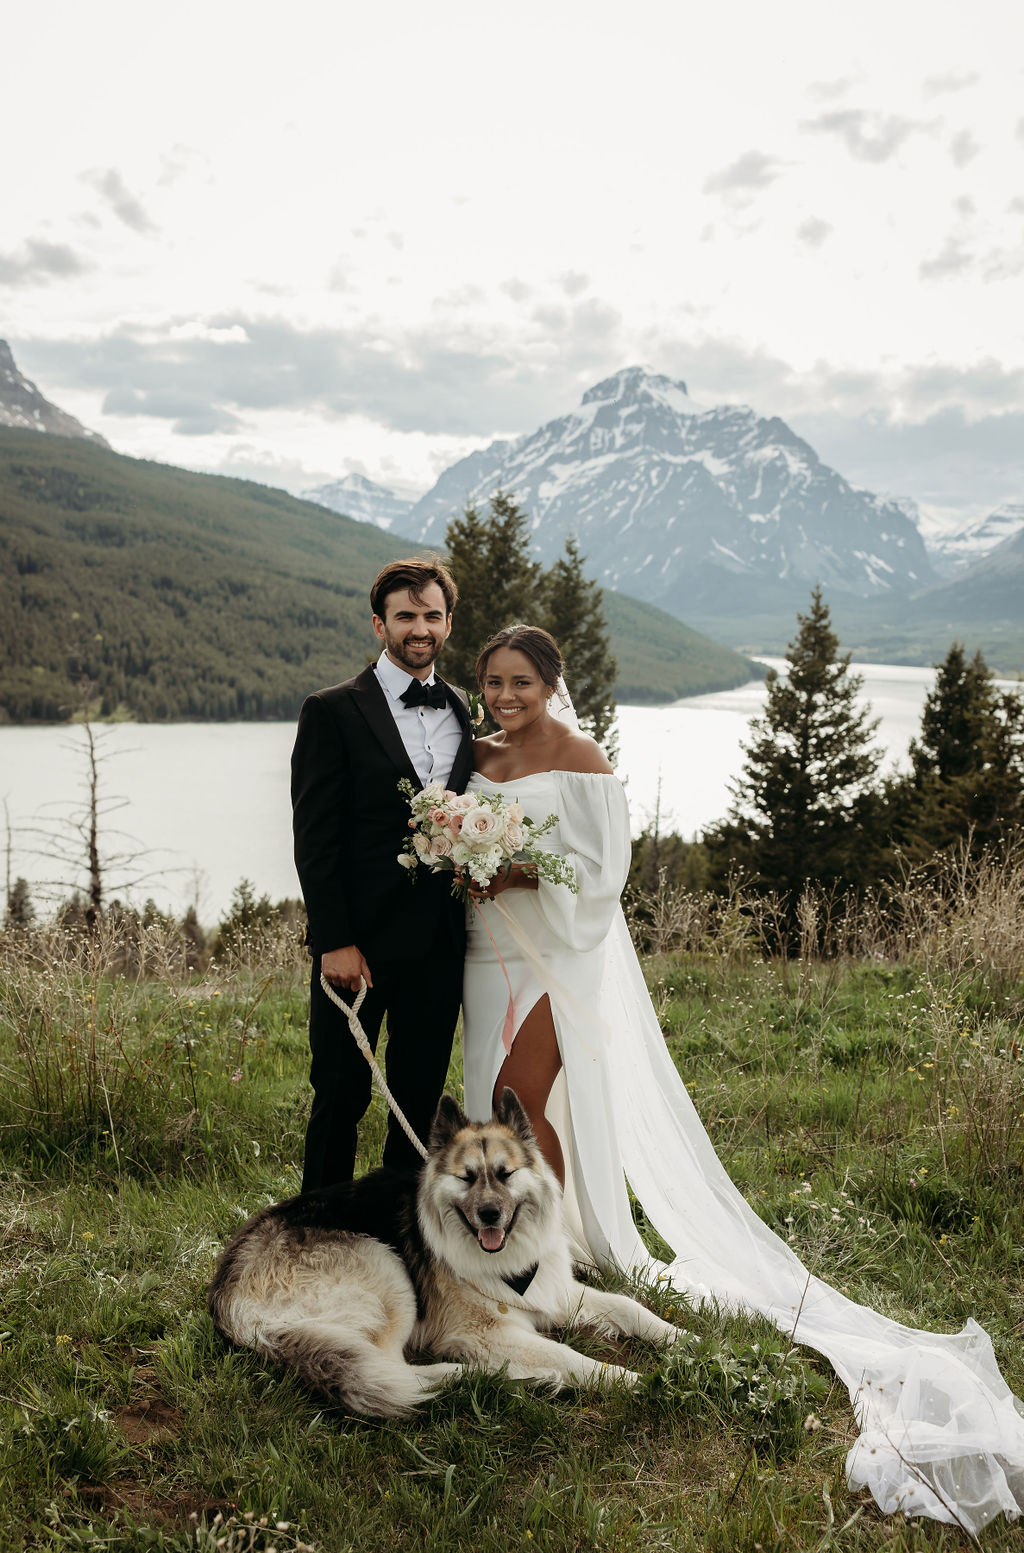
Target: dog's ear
449, 1118
510, 1113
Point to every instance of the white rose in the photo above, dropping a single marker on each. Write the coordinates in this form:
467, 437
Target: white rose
481, 827
421, 844
513, 835
440, 846
461, 803
407, 860
515, 812
461, 854
431, 794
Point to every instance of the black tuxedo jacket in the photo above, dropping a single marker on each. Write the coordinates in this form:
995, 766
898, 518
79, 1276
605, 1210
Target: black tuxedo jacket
350, 821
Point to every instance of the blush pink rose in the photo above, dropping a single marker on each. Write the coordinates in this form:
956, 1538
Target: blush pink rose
513, 835
481, 825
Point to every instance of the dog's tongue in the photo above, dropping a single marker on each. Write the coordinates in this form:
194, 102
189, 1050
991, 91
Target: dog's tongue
491, 1237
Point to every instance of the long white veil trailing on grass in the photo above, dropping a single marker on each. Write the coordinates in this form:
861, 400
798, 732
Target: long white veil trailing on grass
941, 1434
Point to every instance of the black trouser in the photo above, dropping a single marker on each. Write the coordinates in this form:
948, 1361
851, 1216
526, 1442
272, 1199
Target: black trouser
421, 998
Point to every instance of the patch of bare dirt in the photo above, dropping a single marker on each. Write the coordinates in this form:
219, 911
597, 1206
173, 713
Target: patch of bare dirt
149, 1421
136, 1504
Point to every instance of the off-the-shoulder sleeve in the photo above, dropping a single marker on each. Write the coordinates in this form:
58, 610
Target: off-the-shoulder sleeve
593, 832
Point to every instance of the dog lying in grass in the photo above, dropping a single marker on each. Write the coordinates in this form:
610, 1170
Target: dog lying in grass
466, 1261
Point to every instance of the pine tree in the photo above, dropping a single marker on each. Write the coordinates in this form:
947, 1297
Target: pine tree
571, 609
1003, 809
956, 717
803, 807
20, 911
498, 582
967, 767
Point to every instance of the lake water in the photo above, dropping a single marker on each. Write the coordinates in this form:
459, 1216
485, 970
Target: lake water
195, 807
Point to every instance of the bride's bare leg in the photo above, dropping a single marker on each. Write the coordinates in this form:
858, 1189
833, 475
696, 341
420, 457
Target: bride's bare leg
531, 1068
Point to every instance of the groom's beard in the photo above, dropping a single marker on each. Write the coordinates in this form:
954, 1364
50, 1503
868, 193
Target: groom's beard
412, 659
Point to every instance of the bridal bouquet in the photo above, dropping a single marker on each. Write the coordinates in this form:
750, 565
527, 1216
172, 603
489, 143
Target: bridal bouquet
473, 836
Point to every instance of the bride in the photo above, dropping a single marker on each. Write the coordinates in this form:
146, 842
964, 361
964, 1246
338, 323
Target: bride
941, 1434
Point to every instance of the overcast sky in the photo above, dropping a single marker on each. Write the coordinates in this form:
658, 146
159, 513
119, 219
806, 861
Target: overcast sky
297, 241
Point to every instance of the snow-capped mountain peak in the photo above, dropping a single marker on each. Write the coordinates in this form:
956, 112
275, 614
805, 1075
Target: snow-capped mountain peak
954, 545
358, 497
640, 386
698, 509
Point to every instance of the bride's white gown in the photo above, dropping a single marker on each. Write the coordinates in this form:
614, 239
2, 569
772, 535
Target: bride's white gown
941, 1434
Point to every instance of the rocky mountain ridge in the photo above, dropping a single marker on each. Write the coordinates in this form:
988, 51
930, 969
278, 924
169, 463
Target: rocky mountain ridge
22, 405
955, 548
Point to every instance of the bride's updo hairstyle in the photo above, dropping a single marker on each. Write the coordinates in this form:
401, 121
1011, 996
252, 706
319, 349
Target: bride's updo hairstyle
536, 644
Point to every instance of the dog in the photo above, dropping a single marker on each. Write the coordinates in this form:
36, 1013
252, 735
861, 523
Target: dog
467, 1262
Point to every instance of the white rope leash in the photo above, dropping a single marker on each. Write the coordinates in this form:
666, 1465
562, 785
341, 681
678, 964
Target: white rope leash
351, 1012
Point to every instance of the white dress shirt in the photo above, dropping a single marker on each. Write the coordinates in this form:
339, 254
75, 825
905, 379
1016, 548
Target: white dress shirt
431, 735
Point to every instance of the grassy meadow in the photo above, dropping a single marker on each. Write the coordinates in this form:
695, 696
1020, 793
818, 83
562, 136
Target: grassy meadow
870, 1105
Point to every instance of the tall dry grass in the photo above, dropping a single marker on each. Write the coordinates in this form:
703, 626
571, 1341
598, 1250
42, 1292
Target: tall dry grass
958, 915
111, 1042
954, 927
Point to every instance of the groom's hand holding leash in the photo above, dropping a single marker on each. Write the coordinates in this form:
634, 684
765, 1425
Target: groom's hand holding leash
346, 968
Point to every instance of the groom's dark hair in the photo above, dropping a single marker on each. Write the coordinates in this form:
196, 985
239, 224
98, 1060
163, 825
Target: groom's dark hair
413, 576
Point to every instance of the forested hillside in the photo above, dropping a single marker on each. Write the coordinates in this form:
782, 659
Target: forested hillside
174, 594
177, 595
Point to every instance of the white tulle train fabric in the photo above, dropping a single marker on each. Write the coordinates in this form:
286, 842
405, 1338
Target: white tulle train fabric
941, 1434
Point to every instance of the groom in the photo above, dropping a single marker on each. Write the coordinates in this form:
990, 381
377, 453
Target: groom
366, 917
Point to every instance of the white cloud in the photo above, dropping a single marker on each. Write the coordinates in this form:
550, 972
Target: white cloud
963, 147
953, 258
39, 262
814, 231
951, 81
109, 183
870, 137
233, 334
751, 170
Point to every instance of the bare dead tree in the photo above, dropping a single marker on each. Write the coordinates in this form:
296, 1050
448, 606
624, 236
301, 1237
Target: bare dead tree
95, 906
91, 855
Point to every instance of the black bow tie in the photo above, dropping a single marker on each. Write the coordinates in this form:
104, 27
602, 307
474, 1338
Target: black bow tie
419, 694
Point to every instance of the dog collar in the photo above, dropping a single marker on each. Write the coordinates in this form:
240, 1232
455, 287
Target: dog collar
522, 1281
